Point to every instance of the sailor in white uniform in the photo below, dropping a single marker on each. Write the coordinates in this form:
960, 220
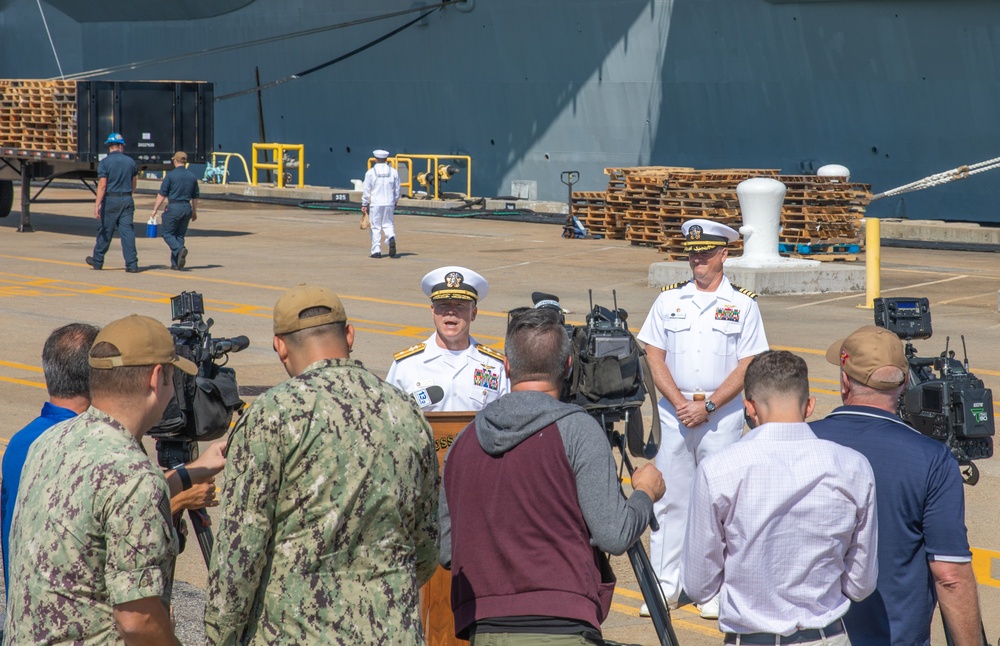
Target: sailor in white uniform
700, 336
470, 374
378, 200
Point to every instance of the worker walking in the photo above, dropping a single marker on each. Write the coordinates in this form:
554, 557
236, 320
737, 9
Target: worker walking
116, 178
378, 201
180, 189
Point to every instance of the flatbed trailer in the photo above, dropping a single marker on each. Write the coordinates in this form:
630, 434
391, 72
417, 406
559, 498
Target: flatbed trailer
55, 129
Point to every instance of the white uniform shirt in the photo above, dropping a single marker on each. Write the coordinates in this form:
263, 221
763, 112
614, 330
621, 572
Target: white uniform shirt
785, 524
705, 334
381, 186
470, 379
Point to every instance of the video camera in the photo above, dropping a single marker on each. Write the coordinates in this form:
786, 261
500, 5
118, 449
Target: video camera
952, 406
203, 405
608, 378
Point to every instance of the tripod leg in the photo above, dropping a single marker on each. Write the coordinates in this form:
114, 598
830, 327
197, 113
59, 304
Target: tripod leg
650, 587
203, 532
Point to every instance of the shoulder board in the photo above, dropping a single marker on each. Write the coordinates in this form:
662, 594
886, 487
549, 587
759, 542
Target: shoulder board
410, 351
490, 352
667, 288
744, 291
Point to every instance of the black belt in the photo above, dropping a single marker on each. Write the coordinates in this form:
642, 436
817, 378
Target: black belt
798, 637
114, 194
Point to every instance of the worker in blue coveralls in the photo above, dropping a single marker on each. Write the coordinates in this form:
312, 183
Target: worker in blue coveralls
116, 178
180, 189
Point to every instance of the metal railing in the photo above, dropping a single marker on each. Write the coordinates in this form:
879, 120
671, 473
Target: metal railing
436, 171
222, 171
279, 165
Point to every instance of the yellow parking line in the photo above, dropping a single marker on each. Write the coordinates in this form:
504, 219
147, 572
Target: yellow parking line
23, 382
19, 366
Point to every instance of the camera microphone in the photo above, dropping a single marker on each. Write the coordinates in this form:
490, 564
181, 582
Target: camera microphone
235, 344
428, 396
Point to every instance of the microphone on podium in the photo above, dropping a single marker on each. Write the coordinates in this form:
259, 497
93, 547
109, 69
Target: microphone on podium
428, 396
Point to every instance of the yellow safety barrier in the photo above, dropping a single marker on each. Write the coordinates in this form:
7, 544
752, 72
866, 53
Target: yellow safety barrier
279, 165
873, 262
225, 165
435, 170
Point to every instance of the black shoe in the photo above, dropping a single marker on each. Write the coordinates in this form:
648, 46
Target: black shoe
90, 261
377, 254
392, 247
132, 270
182, 257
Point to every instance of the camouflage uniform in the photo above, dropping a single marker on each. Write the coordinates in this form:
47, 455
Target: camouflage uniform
329, 515
91, 531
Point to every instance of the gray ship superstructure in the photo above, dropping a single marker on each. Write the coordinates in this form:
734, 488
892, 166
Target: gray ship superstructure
894, 90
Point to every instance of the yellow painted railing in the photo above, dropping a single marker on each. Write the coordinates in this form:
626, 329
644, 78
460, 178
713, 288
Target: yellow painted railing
225, 164
279, 165
436, 171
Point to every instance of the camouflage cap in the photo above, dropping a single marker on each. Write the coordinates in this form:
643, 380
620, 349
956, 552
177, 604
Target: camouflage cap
140, 341
866, 350
304, 297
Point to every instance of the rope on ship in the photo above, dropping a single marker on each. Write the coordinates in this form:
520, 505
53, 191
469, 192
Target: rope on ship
250, 43
937, 179
293, 77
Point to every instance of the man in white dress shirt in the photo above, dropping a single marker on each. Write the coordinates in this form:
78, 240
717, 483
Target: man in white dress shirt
378, 200
470, 374
700, 335
782, 525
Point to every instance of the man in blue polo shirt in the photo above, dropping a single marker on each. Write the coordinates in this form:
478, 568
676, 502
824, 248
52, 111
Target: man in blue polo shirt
923, 550
180, 189
116, 178
67, 378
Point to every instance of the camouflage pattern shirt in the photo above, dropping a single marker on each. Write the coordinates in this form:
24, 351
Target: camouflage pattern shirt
328, 515
91, 531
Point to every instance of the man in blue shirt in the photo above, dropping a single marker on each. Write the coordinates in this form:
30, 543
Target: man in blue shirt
923, 550
67, 378
116, 179
180, 189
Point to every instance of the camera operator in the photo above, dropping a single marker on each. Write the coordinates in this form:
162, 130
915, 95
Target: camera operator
67, 379
94, 500
530, 501
921, 505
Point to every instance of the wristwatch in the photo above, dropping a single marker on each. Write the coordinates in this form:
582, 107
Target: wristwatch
709, 406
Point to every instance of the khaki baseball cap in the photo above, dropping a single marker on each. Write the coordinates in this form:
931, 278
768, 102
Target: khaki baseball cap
181, 156
141, 341
301, 298
866, 350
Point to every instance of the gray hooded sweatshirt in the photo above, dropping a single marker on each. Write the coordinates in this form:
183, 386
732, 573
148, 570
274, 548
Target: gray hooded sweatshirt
614, 522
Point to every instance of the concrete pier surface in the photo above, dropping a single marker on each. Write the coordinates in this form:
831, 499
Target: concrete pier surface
244, 255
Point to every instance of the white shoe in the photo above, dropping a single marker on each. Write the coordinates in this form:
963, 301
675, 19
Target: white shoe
709, 609
644, 611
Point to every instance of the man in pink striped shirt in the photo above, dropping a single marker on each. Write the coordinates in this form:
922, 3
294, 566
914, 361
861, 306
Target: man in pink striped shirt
781, 525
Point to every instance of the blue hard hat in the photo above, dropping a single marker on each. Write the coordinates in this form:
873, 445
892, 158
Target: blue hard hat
115, 138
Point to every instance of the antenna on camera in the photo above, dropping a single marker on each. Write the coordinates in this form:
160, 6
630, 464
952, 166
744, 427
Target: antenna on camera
965, 355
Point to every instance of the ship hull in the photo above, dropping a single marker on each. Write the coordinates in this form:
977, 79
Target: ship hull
893, 90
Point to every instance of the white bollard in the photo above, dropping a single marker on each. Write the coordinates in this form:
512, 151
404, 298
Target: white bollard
834, 170
761, 199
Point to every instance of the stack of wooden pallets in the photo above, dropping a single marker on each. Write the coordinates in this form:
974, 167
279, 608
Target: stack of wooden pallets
647, 205
38, 115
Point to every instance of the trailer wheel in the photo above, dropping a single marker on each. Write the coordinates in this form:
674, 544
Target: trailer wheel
6, 197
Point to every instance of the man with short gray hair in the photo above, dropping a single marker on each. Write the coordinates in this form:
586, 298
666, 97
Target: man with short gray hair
923, 551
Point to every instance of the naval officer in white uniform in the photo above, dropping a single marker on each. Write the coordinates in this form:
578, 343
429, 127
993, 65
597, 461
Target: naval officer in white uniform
471, 375
700, 336
378, 200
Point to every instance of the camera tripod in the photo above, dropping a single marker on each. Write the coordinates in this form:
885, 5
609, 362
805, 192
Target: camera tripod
170, 454
649, 584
